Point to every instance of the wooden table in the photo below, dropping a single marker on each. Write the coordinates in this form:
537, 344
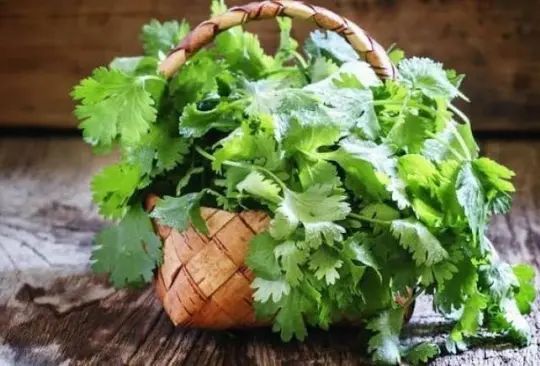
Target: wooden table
54, 311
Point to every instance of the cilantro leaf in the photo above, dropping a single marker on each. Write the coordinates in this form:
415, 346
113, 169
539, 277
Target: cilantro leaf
409, 133
396, 55
385, 343
320, 68
316, 173
416, 238
508, 319
243, 53
162, 145
260, 257
113, 187
218, 7
526, 293
441, 147
256, 184
422, 353
496, 187
128, 252
325, 263
330, 44
287, 44
253, 141
270, 289
291, 258
289, 320
196, 121
178, 212
113, 105
499, 278
197, 79
315, 209
159, 37
381, 160
455, 291
427, 76
472, 316
349, 97
139, 65
471, 197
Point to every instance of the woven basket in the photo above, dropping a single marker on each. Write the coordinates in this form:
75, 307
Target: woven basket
203, 281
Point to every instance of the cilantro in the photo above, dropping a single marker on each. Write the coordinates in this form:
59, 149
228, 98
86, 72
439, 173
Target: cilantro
128, 252
427, 76
261, 258
243, 53
113, 187
416, 238
372, 187
385, 342
113, 105
290, 318
526, 292
257, 185
177, 212
325, 264
287, 44
321, 68
159, 37
422, 353
315, 209
291, 257
330, 44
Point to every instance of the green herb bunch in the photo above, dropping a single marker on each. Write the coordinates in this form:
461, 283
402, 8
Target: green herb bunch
374, 187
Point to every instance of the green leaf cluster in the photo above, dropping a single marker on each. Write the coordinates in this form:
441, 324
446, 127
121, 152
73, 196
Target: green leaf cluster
375, 189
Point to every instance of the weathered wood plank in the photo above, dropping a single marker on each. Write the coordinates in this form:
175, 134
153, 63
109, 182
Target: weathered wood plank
53, 311
55, 43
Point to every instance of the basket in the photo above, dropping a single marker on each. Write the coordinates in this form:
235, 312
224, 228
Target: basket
203, 281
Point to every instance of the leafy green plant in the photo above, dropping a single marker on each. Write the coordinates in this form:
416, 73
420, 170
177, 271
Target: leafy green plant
374, 187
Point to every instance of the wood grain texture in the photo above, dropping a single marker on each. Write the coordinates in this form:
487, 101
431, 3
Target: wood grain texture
48, 46
53, 311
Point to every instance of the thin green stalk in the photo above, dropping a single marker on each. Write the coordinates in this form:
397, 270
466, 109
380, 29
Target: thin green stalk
278, 71
368, 219
411, 299
142, 79
302, 64
408, 104
461, 142
208, 156
300, 59
452, 150
459, 113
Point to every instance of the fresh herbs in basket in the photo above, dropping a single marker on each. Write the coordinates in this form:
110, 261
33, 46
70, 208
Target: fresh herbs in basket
375, 188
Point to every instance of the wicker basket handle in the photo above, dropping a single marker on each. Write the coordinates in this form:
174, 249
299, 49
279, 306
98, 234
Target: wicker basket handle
205, 32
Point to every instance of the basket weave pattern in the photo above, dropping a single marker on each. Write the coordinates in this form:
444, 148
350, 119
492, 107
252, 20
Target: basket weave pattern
203, 281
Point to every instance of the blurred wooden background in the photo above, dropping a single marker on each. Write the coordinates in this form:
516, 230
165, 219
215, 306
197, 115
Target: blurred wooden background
47, 46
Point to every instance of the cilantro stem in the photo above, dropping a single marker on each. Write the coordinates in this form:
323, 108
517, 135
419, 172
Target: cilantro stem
302, 65
461, 142
142, 79
411, 299
408, 104
452, 150
368, 219
300, 60
279, 71
459, 113
208, 156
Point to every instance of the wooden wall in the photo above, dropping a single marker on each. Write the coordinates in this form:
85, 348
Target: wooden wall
46, 46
